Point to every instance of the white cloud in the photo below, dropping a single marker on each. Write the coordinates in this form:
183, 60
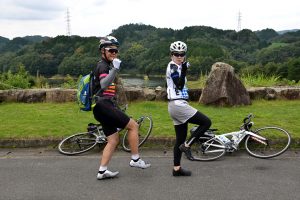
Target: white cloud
30, 10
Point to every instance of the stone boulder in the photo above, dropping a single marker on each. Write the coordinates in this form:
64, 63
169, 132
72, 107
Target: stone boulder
133, 94
289, 93
194, 94
149, 94
161, 94
27, 96
223, 88
121, 93
59, 95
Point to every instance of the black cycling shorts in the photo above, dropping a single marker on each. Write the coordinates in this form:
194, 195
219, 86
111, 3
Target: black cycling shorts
110, 116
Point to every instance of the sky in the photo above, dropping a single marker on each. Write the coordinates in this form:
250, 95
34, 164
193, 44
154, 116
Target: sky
19, 18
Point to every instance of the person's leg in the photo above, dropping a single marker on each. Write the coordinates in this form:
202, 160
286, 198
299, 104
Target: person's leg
133, 139
112, 142
204, 123
133, 136
181, 133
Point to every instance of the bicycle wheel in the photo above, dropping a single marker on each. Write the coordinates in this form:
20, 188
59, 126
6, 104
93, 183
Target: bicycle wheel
208, 150
145, 127
277, 142
78, 143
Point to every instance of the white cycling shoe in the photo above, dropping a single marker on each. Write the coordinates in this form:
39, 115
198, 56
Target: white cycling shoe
139, 164
107, 174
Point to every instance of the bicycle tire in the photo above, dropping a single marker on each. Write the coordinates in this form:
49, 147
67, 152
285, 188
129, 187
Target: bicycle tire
78, 143
207, 149
145, 128
278, 141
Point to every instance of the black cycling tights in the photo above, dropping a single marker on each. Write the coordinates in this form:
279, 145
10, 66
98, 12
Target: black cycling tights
181, 133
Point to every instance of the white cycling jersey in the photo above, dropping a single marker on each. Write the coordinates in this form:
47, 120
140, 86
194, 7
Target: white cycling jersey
174, 73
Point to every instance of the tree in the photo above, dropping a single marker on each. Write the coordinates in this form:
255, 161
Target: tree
294, 69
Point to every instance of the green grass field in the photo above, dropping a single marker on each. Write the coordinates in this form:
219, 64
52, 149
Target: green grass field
53, 120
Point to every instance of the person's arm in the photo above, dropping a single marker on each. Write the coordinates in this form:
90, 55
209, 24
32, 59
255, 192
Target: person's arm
107, 79
179, 81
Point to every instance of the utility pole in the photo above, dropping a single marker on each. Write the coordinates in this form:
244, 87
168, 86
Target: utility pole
239, 27
68, 23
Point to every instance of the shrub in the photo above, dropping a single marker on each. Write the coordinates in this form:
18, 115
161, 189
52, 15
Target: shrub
19, 80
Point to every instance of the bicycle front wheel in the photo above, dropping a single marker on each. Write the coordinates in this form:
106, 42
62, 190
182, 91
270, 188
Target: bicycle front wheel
78, 143
209, 150
145, 127
277, 142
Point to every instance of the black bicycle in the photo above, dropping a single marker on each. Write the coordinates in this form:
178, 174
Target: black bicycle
83, 142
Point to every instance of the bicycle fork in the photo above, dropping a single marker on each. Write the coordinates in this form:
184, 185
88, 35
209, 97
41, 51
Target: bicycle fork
258, 138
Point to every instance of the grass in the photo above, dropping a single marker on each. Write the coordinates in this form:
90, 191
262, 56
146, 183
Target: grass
52, 120
249, 80
259, 80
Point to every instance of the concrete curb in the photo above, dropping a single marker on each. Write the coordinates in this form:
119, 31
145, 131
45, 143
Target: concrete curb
48, 142
152, 142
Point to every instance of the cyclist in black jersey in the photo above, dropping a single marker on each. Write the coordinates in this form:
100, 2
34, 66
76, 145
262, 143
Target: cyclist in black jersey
179, 109
107, 113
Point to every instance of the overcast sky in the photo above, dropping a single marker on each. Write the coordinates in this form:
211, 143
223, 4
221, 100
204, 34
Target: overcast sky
20, 18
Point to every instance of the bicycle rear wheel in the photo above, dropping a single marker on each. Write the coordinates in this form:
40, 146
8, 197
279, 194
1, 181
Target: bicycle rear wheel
145, 127
277, 142
209, 150
78, 143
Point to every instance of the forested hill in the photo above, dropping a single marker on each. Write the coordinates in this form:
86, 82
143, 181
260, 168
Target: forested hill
145, 49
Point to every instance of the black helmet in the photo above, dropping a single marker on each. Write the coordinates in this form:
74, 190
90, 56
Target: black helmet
108, 41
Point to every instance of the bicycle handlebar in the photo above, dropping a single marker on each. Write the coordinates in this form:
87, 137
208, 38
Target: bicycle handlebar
247, 122
248, 118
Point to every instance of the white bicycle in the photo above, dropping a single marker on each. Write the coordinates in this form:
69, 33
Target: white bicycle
266, 142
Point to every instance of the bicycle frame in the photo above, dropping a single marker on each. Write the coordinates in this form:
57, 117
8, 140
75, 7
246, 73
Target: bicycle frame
101, 138
233, 144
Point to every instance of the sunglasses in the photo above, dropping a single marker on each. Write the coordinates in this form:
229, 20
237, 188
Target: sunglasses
178, 54
110, 50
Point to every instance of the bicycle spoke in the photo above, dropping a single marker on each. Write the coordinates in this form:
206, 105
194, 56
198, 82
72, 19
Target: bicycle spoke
209, 150
77, 143
277, 141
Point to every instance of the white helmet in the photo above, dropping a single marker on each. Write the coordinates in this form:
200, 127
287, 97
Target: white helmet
107, 41
178, 46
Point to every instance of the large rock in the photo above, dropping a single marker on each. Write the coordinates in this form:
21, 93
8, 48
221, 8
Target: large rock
223, 88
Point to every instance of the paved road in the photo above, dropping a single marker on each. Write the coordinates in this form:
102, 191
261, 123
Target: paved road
44, 174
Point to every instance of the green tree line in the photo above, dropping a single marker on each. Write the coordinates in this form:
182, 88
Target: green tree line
145, 50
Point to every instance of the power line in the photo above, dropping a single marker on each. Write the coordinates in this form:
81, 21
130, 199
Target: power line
239, 27
68, 23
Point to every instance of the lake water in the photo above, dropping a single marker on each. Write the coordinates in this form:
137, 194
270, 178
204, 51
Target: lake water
128, 81
152, 82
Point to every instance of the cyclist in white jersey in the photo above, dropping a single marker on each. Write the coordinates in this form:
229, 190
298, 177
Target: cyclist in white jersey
179, 109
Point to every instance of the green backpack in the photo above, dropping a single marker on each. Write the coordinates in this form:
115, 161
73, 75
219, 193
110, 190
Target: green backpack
85, 92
